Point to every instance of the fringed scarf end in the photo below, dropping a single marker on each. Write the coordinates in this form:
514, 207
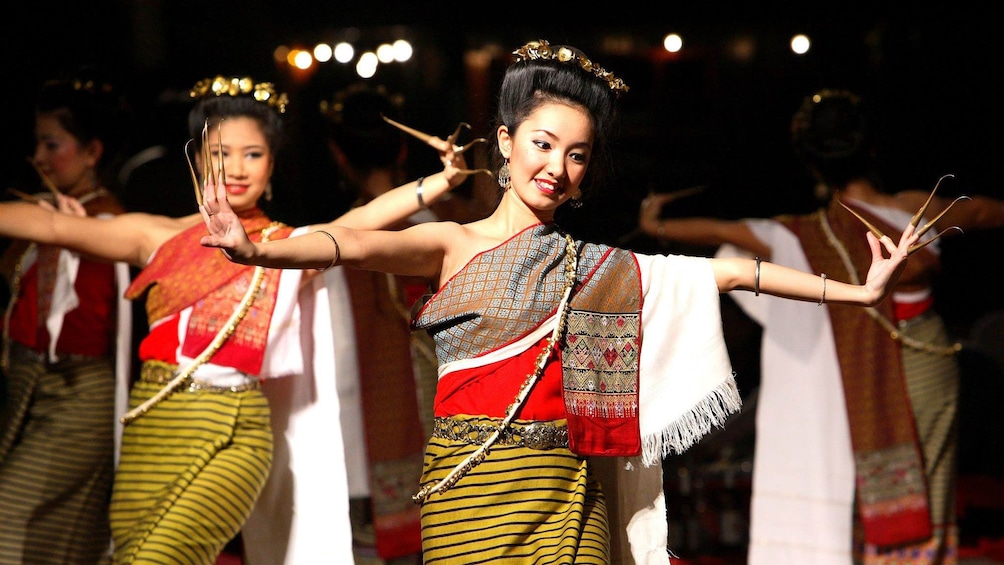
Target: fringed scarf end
688, 429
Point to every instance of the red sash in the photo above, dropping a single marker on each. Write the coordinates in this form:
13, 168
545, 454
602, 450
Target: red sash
891, 485
183, 273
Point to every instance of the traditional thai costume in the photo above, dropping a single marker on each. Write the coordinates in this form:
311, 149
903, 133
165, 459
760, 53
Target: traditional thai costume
195, 461
640, 371
853, 427
66, 336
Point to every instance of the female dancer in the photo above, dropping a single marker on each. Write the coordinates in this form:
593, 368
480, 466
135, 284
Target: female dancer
60, 350
827, 486
554, 353
198, 442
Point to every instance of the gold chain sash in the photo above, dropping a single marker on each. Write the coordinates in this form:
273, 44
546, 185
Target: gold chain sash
225, 332
472, 460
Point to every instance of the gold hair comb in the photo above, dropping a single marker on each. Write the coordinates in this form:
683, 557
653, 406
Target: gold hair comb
240, 86
566, 54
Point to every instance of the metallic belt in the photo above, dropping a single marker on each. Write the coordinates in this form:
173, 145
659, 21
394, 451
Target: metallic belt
158, 372
533, 435
27, 355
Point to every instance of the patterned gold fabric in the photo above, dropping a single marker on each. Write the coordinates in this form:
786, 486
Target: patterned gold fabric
599, 359
507, 292
168, 505
559, 517
479, 308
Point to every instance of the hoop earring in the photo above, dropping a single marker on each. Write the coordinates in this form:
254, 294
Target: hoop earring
503, 177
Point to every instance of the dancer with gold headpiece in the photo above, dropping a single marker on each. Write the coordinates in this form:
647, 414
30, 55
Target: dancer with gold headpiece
198, 441
556, 355
61, 339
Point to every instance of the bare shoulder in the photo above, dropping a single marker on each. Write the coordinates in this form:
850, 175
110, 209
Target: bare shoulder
463, 242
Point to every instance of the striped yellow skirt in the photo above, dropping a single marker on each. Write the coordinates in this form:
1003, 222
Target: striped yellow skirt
190, 471
56, 458
522, 504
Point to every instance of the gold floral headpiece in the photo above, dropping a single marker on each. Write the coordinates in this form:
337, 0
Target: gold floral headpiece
240, 86
566, 54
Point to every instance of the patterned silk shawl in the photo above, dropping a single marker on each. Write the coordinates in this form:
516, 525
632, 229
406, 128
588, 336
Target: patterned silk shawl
183, 273
507, 292
891, 489
506, 298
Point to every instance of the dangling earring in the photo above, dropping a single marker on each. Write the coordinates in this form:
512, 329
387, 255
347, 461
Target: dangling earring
504, 175
268, 192
576, 201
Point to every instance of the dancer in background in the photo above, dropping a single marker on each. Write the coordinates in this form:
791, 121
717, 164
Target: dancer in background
857, 412
198, 443
65, 334
381, 419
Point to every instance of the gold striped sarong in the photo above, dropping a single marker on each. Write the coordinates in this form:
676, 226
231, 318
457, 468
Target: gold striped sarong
56, 458
520, 505
190, 471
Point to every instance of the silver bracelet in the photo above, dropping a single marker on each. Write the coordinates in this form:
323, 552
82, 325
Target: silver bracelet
822, 298
756, 279
338, 251
418, 193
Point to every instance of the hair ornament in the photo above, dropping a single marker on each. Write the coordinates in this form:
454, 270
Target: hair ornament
566, 54
828, 93
240, 86
333, 109
92, 87
86, 85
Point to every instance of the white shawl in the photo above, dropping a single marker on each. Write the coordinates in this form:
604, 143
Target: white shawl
803, 466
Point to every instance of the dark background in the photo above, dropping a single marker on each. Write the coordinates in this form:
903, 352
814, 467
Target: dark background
703, 117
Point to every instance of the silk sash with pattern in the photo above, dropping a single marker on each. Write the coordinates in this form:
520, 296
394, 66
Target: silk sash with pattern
891, 488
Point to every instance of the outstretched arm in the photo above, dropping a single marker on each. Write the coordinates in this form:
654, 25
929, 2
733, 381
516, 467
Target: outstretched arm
415, 251
126, 237
405, 200
768, 278
695, 231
